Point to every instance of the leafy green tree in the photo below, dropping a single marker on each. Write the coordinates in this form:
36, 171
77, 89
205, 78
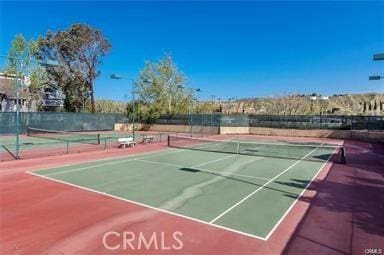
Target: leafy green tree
78, 51
162, 90
22, 58
109, 106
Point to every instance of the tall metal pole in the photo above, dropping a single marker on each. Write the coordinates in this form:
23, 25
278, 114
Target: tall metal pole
17, 115
190, 117
213, 107
134, 111
169, 102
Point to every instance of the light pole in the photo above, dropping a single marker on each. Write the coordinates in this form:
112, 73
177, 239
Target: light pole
375, 77
17, 113
117, 77
377, 57
190, 106
86, 94
213, 107
179, 86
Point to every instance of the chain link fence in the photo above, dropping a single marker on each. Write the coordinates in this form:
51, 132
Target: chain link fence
341, 122
60, 121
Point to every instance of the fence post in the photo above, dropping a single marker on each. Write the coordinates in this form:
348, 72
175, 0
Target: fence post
202, 123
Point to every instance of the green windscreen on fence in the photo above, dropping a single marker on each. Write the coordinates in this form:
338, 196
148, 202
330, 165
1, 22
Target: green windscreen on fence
68, 121
60, 121
277, 121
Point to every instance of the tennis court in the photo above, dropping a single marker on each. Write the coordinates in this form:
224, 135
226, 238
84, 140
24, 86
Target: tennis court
42, 142
203, 180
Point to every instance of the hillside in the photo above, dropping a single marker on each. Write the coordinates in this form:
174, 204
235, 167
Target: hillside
348, 104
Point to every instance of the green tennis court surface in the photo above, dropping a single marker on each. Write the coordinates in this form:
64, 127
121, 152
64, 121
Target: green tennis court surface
248, 194
48, 140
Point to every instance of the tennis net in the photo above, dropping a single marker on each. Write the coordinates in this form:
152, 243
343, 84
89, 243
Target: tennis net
299, 151
68, 136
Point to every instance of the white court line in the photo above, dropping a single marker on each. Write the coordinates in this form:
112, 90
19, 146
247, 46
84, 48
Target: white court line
112, 163
261, 187
204, 169
147, 206
170, 150
215, 160
126, 159
172, 213
300, 195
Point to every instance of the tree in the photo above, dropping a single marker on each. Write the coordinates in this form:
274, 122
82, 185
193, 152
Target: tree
78, 51
22, 59
110, 106
161, 88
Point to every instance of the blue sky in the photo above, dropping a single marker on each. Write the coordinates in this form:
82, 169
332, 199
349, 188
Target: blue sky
229, 49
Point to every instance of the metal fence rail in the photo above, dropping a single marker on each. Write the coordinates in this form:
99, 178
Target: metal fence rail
342, 122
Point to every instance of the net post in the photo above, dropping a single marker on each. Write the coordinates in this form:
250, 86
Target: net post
343, 154
169, 141
67, 147
105, 143
98, 138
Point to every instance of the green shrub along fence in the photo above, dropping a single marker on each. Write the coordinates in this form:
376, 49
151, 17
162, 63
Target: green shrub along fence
62, 121
342, 122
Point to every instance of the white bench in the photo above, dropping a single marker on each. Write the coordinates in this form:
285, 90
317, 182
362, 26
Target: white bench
148, 138
126, 141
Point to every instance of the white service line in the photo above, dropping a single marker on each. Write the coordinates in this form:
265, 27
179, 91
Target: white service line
114, 162
215, 160
261, 187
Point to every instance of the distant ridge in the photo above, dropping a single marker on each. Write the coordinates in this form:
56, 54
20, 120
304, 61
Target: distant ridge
338, 104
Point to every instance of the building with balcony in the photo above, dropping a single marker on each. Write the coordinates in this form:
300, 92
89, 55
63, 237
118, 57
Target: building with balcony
48, 98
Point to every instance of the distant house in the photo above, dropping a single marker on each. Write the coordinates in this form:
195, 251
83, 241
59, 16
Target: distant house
314, 98
8, 97
50, 98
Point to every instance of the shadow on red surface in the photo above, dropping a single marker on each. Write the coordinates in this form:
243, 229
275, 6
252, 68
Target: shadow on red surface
347, 214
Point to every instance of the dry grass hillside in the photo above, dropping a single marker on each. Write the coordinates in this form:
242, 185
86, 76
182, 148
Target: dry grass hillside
347, 104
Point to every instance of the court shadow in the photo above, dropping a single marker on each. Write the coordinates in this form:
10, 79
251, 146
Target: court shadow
350, 197
300, 184
229, 177
191, 170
